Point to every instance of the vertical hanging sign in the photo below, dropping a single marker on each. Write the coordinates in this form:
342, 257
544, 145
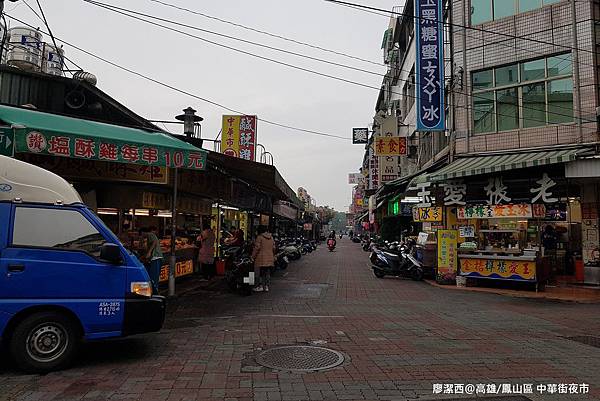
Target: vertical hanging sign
430, 65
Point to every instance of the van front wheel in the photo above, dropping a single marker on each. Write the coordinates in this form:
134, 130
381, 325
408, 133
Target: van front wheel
44, 342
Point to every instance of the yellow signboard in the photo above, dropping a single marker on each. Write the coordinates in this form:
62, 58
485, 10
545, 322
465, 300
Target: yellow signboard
427, 214
230, 136
498, 268
447, 254
182, 268
390, 146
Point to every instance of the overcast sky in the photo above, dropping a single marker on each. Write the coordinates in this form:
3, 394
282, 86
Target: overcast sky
253, 86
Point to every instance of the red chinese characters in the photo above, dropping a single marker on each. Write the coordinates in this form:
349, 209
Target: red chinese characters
108, 151
36, 142
130, 153
150, 155
85, 148
60, 146
196, 161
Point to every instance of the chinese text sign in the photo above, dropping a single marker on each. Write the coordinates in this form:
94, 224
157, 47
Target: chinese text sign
430, 66
238, 137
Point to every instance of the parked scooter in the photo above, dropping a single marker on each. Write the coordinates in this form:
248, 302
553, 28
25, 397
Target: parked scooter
290, 249
239, 272
281, 261
397, 260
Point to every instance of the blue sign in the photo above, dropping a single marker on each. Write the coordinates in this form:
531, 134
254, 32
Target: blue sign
430, 65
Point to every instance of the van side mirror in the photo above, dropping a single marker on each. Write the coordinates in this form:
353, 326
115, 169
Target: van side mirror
111, 253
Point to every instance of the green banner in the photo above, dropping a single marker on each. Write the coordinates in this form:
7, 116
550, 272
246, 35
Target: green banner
7, 139
108, 150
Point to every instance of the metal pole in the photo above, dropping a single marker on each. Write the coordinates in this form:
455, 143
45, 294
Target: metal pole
466, 87
576, 68
173, 258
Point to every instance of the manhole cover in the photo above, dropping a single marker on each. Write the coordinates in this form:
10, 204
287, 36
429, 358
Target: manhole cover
587, 340
301, 358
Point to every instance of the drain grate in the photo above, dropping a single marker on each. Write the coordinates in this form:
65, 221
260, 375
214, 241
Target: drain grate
587, 340
300, 358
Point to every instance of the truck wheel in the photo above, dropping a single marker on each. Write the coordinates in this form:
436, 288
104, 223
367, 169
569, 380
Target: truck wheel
44, 342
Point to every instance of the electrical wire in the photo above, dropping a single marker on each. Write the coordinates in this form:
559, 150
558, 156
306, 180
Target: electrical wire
293, 66
105, 5
273, 35
42, 20
538, 41
184, 92
62, 61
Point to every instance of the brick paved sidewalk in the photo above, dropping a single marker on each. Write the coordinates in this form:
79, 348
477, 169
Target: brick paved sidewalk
400, 338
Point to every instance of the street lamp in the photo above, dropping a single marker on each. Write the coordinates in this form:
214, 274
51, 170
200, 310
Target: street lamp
189, 119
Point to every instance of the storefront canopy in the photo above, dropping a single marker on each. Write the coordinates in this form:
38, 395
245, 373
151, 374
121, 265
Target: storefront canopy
56, 135
470, 166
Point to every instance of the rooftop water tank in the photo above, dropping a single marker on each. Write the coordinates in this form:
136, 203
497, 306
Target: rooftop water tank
53, 61
5, 45
25, 48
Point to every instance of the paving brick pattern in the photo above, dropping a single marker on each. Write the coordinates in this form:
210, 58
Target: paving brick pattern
400, 337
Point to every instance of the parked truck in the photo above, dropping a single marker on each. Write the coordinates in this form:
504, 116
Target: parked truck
64, 276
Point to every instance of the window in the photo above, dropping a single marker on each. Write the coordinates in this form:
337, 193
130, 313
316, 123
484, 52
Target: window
533, 70
534, 105
507, 75
483, 112
483, 79
503, 8
528, 5
560, 65
481, 11
55, 228
489, 10
560, 101
508, 109
529, 94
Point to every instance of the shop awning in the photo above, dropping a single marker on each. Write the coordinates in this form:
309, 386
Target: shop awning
57, 135
470, 166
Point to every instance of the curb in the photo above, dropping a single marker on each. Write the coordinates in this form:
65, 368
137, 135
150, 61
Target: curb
513, 295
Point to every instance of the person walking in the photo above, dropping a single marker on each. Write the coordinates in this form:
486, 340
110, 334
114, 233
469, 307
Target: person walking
206, 255
264, 257
153, 255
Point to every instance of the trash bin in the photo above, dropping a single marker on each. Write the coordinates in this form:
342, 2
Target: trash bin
220, 263
579, 270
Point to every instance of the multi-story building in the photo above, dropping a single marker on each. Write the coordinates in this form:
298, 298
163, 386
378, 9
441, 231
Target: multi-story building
522, 96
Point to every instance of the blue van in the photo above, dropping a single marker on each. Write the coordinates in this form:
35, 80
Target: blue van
64, 276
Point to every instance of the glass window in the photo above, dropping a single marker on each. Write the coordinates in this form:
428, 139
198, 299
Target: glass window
481, 11
533, 70
560, 101
534, 105
483, 112
560, 65
527, 5
507, 75
55, 228
550, 1
483, 79
504, 8
508, 109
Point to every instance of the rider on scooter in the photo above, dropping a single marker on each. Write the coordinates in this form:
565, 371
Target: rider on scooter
332, 238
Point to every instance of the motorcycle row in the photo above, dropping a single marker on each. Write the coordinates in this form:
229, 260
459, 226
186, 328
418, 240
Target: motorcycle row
239, 267
398, 258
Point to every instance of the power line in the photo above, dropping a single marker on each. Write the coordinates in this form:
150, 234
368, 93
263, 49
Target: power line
50, 32
41, 19
184, 92
273, 35
465, 34
293, 66
125, 10
345, 3
110, 6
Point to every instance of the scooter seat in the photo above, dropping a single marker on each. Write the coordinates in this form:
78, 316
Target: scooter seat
392, 256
